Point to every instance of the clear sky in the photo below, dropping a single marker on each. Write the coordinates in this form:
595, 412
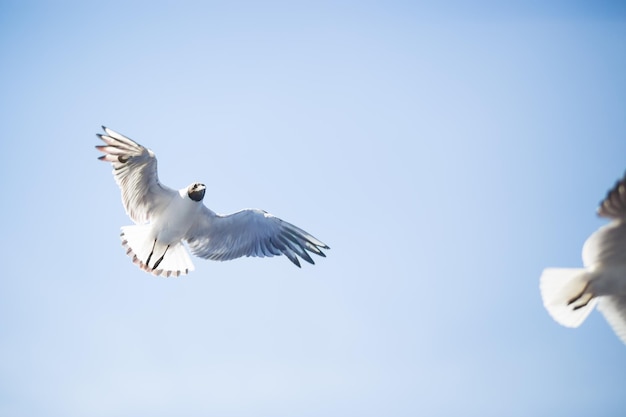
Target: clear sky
447, 154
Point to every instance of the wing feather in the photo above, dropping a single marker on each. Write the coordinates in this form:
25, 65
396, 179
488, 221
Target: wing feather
614, 309
135, 171
250, 232
614, 205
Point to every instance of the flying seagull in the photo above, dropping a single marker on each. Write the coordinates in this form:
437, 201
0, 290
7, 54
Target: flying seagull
165, 218
570, 294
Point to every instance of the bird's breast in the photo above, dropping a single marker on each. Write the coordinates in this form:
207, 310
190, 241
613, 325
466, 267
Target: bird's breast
175, 220
606, 246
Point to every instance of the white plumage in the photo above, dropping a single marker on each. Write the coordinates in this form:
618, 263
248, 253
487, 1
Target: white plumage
165, 218
570, 295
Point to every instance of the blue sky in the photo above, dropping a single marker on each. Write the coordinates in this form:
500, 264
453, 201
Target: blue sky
447, 154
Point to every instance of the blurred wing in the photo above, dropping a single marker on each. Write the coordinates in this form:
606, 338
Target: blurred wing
614, 309
250, 232
135, 171
614, 205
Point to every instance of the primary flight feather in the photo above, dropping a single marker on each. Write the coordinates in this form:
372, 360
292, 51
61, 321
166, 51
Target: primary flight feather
165, 218
570, 294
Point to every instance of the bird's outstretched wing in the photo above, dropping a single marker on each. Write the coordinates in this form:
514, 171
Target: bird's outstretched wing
614, 309
135, 171
614, 205
250, 232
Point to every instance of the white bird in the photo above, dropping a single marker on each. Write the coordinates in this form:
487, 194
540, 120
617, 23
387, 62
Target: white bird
570, 294
165, 218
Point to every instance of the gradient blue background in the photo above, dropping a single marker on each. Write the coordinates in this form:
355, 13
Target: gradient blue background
446, 153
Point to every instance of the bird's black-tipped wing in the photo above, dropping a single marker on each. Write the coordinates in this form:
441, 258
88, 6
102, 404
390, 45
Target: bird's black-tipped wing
135, 171
250, 232
614, 205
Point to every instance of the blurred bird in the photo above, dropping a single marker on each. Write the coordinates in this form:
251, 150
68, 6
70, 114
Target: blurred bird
165, 218
570, 294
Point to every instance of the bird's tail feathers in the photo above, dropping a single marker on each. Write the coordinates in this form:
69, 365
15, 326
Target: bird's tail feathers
156, 259
565, 295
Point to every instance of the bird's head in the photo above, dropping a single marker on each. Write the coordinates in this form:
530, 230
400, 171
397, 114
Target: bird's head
196, 191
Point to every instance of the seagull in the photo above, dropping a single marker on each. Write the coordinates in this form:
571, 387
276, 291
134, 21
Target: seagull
165, 218
570, 294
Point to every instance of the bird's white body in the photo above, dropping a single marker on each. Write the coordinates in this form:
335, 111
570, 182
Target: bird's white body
570, 294
166, 218
164, 235
174, 221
